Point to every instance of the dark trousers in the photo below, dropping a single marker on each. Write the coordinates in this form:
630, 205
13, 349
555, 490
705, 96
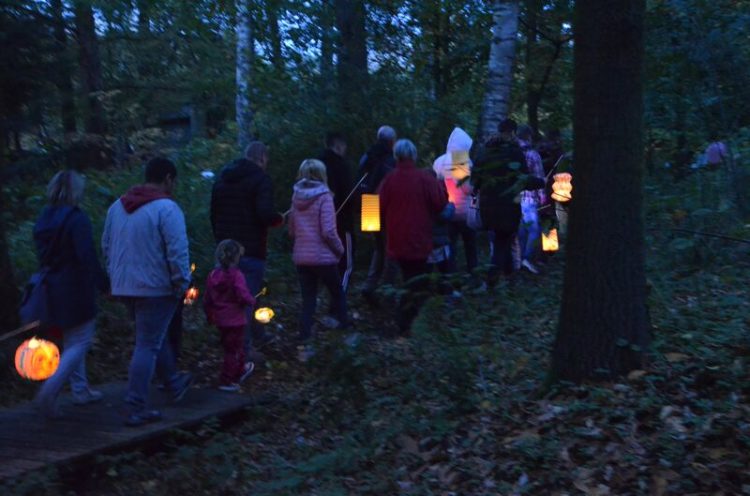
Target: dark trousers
174, 331
381, 266
233, 343
502, 256
309, 276
469, 237
416, 294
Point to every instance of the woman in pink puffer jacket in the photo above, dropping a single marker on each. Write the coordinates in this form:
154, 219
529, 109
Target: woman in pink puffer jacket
317, 247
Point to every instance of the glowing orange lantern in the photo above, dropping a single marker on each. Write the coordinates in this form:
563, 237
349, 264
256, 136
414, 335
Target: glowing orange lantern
370, 213
264, 315
549, 242
561, 188
191, 295
37, 359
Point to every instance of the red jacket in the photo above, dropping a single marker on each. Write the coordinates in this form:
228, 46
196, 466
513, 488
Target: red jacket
227, 298
410, 199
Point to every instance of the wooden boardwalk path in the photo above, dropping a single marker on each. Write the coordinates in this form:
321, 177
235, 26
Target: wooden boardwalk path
28, 442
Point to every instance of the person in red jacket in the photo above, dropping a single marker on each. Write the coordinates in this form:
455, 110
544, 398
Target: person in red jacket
226, 302
410, 201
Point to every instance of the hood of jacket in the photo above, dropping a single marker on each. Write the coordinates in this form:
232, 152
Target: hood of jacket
306, 191
458, 141
138, 196
240, 170
50, 221
221, 281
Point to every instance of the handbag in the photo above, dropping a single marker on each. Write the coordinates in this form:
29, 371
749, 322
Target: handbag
35, 299
473, 216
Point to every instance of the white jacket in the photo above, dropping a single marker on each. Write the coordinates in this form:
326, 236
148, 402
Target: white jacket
146, 251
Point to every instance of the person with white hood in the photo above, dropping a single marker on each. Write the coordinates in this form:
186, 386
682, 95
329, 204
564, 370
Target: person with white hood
454, 168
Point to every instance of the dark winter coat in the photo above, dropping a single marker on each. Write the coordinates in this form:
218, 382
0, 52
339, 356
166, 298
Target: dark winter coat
340, 184
75, 269
377, 163
242, 207
500, 173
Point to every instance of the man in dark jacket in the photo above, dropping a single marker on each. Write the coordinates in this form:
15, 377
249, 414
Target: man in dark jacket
340, 184
500, 174
377, 163
242, 209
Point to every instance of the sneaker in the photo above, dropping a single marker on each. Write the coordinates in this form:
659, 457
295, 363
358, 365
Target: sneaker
529, 266
230, 388
87, 397
142, 417
249, 367
183, 381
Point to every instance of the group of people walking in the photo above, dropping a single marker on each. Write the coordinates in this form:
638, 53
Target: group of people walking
146, 261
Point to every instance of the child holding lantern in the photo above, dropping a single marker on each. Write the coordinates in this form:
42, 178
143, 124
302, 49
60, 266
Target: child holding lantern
225, 303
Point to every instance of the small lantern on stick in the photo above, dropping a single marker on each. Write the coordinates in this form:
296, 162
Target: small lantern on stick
549, 241
561, 188
370, 213
37, 359
264, 315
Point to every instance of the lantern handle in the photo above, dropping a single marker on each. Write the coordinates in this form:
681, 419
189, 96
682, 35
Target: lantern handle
20, 330
554, 167
351, 192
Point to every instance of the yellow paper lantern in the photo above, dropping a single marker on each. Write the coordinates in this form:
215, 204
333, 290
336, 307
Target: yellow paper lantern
264, 315
370, 213
191, 295
37, 359
561, 188
549, 242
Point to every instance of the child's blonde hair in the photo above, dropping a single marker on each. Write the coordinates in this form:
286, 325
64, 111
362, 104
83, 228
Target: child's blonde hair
313, 169
228, 253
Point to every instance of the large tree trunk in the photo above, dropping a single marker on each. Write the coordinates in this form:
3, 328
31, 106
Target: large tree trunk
8, 289
533, 96
64, 77
352, 54
243, 29
91, 66
500, 74
603, 330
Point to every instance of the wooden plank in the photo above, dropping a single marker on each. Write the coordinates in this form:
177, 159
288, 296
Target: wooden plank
30, 443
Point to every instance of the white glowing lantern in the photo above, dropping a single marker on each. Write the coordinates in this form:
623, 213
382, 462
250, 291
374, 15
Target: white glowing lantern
264, 315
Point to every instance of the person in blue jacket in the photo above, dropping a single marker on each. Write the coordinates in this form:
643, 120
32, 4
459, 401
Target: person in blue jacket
65, 244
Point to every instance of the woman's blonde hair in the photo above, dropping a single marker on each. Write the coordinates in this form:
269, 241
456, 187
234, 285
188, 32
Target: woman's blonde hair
313, 169
66, 188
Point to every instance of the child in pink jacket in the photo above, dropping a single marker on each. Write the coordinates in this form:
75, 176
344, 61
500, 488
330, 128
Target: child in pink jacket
317, 247
225, 304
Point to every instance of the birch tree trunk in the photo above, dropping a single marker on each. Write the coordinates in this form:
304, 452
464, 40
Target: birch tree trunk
244, 111
603, 330
500, 74
91, 66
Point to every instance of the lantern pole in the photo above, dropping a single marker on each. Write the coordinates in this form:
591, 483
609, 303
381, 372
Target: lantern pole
20, 330
351, 192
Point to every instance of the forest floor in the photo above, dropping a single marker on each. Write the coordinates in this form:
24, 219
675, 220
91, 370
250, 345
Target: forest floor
463, 405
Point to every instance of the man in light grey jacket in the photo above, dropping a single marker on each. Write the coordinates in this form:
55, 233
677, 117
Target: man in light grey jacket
145, 248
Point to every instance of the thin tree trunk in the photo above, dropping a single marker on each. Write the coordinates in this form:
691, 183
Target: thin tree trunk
8, 290
144, 17
64, 78
91, 66
352, 54
327, 48
500, 73
439, 49
243, 103
603, 330
273, 11
532, 95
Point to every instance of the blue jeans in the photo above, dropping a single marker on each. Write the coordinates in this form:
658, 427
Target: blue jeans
254, 269
152, 351
530, 230
72, 367
309, 275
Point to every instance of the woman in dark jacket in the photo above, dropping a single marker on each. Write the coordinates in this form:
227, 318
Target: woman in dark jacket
64, 243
